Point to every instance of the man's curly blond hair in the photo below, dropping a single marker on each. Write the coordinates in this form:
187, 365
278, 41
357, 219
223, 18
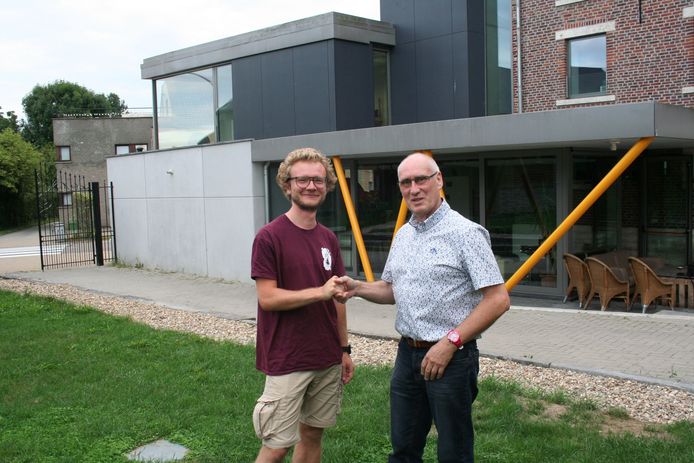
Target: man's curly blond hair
309, 155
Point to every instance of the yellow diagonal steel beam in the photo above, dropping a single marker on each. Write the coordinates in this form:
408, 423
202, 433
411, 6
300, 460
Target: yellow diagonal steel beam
353, 221
581, 209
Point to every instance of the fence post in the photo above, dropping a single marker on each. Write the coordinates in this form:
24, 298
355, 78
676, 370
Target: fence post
96, 208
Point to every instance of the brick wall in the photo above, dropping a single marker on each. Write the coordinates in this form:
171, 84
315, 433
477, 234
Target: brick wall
650, 58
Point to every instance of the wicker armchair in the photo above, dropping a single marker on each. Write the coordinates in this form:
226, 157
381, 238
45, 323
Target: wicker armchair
579, 279
605, 284
649, 287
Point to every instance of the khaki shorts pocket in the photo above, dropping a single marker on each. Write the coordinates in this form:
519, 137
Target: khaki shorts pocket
263, 421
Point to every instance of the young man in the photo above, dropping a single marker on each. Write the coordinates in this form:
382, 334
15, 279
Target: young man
442, 275
301, 340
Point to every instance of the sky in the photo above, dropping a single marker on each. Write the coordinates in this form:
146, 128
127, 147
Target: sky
101, 45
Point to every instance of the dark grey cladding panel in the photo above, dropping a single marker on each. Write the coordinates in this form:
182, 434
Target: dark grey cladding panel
401, 14
581, 127
353, 85
314, 110
248, 108
434, 79
459, 15
432, 18
403, 84
476, 74
461, 74
278, 93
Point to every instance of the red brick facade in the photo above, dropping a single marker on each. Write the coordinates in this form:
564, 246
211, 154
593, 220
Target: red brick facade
650, 56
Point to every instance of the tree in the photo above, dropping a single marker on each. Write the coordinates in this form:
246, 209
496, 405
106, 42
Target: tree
9, 121
18, 160
60, 98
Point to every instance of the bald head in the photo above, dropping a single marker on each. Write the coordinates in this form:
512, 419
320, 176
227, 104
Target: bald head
420, 159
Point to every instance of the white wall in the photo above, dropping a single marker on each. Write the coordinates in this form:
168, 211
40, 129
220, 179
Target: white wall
193, 210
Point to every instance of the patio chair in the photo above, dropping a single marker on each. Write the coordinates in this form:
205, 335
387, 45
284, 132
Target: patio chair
649, 287
579, 279
605, 283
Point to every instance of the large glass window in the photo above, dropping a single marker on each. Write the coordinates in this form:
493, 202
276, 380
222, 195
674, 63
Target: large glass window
461, 187
521, 209
185, 109
225, 108
498, 57
587, 64
378, 203
666, 226
381, 89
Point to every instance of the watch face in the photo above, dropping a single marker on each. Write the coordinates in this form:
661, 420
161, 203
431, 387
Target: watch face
453, 336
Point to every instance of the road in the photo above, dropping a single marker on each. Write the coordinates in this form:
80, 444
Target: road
19, 251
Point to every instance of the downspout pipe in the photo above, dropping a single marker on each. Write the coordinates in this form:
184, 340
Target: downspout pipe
266, 186
518, 57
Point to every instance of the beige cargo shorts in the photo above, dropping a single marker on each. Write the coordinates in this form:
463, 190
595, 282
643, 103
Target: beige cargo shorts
310, 397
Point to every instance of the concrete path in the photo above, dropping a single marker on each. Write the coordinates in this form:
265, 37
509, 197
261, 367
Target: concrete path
655, 348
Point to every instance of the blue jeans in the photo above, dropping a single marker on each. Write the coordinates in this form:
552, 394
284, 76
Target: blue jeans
414, 403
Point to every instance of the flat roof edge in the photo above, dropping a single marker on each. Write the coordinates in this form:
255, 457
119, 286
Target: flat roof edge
581, 127
303, 31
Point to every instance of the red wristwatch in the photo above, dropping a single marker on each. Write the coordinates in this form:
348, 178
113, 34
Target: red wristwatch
454, 337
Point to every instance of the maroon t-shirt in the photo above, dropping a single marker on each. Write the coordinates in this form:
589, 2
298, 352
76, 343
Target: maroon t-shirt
305, 338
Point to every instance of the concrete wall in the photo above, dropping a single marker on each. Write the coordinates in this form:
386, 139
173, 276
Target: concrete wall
92, 140
193, 210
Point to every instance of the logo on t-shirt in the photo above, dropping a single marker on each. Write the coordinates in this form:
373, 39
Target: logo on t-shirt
327, 258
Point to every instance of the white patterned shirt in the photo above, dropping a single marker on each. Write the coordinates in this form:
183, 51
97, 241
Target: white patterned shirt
437, 268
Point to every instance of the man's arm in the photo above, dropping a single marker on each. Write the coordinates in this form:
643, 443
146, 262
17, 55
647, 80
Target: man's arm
347, 364
494, 303
272, 298
379, 291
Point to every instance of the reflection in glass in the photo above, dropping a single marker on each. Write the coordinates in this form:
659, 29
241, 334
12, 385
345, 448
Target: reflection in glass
381, 89
600, 229
521, 213
185, 109
461, 187
666, 209
587, 66
225, 108
378, 202
498, 59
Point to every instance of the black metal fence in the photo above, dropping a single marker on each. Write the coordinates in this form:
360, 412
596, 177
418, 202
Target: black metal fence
75, 220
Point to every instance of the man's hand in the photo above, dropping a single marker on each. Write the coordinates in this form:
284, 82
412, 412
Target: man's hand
347, 368
436, 360
349, 287
332, 288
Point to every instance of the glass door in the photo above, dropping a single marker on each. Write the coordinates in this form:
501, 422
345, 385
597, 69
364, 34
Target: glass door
378, 201
667, 209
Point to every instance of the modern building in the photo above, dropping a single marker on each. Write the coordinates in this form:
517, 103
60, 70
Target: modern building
525, 105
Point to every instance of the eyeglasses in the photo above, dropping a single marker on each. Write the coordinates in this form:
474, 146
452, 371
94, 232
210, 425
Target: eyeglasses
303, 182
419, 180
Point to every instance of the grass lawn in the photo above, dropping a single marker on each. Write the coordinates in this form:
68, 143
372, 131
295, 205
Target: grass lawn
77, 385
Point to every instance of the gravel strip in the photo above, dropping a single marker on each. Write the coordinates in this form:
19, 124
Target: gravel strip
643, 402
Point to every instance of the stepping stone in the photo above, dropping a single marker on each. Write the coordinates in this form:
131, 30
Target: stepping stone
161, 451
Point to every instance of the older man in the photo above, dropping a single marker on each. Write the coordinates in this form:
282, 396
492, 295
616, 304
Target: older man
442, 275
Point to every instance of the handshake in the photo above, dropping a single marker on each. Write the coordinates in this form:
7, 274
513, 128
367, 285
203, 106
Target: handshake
339, 288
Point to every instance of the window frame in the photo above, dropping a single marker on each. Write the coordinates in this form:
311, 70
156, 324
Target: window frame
59, 153
568, 42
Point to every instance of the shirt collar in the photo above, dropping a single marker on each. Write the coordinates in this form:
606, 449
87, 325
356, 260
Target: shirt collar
432, 220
